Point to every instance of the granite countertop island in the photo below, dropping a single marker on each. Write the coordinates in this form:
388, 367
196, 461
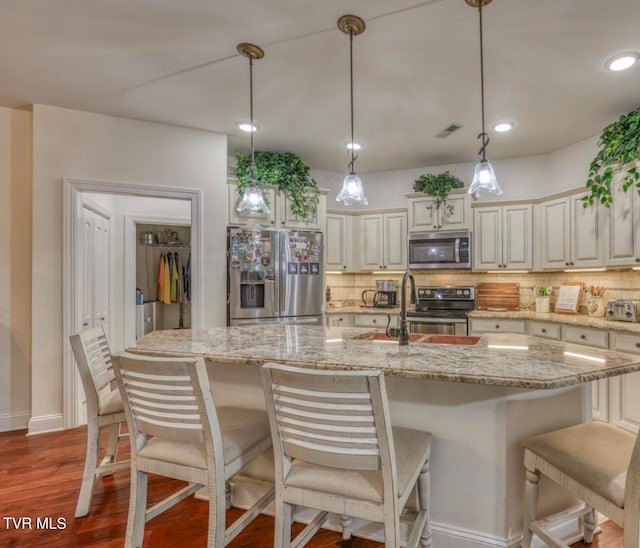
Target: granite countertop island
496, 359
496, 392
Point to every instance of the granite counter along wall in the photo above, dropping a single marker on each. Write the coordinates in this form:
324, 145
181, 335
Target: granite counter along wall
620, 284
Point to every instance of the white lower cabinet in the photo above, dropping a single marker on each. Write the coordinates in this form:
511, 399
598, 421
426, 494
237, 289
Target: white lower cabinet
624, 404
546, 330
376, 320
340, 320
491, 325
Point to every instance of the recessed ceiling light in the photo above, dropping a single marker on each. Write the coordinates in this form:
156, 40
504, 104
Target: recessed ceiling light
355, 146
246, 126
622, 61
501, 127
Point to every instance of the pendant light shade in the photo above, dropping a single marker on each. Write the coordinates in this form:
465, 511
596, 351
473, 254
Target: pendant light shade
252, 198
352, 191
484, 178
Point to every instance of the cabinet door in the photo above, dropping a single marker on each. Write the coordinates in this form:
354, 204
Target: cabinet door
245, 217
624, 227
395, 241
487, 238
371, 240
337, 249
423, 215
556, 222
287, 219
623, 391
517, 237
458, 217
587, 234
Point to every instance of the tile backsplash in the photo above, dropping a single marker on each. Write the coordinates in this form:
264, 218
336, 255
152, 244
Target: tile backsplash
619, 284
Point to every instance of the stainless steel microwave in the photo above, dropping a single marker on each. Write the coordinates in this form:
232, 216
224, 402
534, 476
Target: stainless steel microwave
431, 250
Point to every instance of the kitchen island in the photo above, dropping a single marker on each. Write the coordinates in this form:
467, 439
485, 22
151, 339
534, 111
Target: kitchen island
478, 400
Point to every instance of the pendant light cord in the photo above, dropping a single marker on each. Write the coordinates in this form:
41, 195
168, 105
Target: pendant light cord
253, 161
484, 137
353, 155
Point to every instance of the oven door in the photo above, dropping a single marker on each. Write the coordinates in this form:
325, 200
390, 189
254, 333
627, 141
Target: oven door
438, 326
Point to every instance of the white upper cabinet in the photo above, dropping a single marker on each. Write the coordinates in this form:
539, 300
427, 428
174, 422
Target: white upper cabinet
383, 241
572, 236
424, 217
280, 210
338, 252
503, 237
624, 227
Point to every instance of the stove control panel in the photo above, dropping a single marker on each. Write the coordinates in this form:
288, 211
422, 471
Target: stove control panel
446, 293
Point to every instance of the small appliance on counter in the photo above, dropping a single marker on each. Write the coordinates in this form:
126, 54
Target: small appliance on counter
624, 310
380, 298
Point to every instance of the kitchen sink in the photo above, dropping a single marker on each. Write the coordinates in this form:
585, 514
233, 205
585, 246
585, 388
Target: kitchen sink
422, 338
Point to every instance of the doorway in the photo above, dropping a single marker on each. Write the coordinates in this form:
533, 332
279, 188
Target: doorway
121, 312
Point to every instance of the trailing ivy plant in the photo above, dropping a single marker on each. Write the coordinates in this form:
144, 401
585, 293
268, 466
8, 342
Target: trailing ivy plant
619, 151
438, 185
286, 171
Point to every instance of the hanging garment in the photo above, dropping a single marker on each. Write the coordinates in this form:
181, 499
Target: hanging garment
166, 294
160, 283
187, 279
174, 277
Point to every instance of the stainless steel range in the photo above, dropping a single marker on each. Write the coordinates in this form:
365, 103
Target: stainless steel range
442, 310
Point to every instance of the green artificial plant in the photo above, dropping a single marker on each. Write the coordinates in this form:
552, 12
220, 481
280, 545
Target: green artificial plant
619, 151
286, 171
438, 185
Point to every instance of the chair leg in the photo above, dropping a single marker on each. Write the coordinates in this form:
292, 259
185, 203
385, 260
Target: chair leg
282, 531
90, 464
345, 523
589, 526
112, 446
530, 505
391, 531
217, 512
137, 509
424, 493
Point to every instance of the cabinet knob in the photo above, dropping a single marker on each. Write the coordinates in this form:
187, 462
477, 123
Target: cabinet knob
637, 259
566, 264
85, 324
638, 345
543, 330
375, 321
583, 337
434, 226
344, 266
571, 263
497, 326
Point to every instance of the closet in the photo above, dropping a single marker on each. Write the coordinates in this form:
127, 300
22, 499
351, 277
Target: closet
163, 281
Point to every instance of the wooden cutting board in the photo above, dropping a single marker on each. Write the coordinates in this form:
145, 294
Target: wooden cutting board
498, 295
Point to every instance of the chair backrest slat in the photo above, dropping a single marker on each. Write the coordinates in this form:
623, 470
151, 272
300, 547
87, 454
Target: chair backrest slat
328, 418
165, 397
92, 354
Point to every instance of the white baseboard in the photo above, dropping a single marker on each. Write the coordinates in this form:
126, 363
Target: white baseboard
45, 423
13, 421
444, 535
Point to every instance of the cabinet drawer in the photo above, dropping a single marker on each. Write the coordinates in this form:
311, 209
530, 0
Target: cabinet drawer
589, 337
497, 325
339, 320
372, 320
626, 343
544, 329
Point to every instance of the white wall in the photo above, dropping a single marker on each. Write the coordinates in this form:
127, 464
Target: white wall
90, 146
15, 267
520, 178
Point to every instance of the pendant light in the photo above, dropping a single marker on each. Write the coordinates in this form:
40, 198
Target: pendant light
352, 192
484, 178
252, 198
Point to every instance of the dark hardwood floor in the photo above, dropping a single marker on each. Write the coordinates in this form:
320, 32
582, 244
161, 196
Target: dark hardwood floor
40, 478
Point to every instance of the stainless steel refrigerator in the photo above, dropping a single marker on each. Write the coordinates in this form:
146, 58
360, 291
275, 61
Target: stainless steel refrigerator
274, 276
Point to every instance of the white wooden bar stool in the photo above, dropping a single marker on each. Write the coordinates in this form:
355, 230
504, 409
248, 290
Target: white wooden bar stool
335, 451
598, 464
177, 432
104, 408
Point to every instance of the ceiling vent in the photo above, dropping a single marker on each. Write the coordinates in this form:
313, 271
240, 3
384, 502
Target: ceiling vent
448, 131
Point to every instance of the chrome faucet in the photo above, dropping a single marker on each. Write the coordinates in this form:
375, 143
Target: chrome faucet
403, 337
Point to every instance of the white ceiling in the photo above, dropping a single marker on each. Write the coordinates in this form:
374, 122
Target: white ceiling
416, 71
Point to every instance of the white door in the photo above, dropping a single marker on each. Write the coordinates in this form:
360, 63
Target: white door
371, 240
487, 232
94, 264
556, 234
335, 243
395, 241
587, 233
517, 240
